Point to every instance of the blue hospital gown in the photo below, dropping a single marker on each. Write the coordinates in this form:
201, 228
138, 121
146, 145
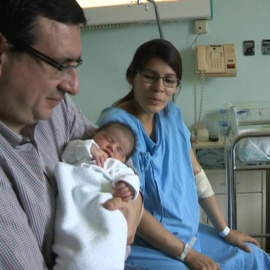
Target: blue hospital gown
169, 189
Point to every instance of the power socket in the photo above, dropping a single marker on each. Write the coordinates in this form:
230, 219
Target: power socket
201, 26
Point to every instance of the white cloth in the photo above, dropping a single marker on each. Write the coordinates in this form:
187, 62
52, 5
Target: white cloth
87, 236
203, 186
78, 153
254, 149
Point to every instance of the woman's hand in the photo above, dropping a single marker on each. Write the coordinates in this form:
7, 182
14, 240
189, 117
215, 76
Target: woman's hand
239, 238
132, 211
197, 261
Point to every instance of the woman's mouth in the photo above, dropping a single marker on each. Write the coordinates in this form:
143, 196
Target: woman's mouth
154, 101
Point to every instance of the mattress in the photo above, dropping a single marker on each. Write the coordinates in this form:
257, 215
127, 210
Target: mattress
250, 126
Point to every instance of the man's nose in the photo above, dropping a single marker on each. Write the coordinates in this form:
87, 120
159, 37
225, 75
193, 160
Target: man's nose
70, 84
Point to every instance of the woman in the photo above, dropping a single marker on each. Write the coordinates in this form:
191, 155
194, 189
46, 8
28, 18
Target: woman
164, 159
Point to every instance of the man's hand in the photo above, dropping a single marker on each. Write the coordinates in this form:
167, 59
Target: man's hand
132, 211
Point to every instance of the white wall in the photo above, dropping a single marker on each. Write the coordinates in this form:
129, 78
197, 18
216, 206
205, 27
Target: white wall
108, 52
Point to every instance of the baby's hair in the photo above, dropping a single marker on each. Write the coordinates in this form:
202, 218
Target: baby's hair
128, 132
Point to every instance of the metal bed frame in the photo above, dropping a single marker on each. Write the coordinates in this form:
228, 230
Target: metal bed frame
232, 167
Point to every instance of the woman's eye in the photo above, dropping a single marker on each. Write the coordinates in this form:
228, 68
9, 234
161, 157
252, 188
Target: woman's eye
151, 77
170, 79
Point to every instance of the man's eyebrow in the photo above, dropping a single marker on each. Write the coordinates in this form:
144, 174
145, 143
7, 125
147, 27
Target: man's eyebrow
69, 59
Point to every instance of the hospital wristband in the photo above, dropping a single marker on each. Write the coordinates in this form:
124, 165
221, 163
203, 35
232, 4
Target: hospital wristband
225, 232
187, 248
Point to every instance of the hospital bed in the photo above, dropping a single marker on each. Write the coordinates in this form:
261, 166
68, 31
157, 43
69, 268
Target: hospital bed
247, 147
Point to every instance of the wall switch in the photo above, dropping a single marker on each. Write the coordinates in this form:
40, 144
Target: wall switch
248, 47
201, 26
266, 47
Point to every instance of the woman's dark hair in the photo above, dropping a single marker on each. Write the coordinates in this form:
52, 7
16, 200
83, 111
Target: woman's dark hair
159, 48
18, 17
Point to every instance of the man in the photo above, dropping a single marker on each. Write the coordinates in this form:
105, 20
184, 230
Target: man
40, 49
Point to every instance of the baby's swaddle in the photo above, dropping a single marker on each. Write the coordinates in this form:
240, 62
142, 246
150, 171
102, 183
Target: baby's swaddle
87, 236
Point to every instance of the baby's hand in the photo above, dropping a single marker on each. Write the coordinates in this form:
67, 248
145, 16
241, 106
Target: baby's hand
99, 155
124, 191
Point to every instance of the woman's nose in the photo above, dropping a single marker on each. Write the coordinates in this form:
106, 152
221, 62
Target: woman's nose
70, 84
159, 84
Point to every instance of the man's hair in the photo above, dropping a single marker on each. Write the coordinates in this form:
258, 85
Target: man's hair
128, 132
18, 18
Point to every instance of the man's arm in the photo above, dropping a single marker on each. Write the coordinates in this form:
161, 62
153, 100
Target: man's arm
132, 210
18, 246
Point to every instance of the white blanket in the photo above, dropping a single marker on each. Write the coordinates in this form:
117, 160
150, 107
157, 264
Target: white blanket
87, 236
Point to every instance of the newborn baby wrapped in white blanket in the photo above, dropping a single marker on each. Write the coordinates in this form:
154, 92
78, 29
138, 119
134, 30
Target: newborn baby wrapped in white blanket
88, 236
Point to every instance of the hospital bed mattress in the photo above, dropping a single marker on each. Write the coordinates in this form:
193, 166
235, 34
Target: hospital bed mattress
250, 126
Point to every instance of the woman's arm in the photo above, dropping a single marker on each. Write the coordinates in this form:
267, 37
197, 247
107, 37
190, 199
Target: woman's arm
212, 210
158, 236
238, 238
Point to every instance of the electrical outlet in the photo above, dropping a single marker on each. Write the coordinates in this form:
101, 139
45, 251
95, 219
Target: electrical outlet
201, 26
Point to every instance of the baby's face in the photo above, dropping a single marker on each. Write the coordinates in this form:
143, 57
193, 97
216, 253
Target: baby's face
114, 142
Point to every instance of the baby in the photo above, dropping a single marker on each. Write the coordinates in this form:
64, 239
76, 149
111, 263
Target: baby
113, 140
88, 236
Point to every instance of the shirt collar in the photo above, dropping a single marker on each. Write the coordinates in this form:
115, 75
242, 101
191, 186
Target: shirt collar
12, 137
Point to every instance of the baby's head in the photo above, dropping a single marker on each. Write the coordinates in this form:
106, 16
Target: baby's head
117, 140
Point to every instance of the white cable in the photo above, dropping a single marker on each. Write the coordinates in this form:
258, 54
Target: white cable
202, 96
197, 119
195, 102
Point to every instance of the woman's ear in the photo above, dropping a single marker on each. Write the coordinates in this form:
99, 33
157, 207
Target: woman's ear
2, 45
131, 79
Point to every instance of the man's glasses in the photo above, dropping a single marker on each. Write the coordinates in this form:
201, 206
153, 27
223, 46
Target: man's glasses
170, 80
63, 69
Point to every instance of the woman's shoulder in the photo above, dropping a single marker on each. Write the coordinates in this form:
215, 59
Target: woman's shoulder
173, 111
174, 107
116, 114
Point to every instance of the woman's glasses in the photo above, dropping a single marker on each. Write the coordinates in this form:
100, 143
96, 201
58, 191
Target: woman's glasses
170, 80
63, 69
